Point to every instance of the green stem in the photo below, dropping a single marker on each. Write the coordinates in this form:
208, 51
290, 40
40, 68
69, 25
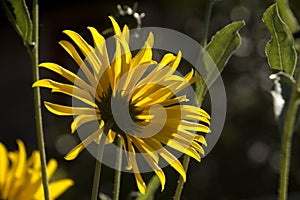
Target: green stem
288, 129
118, 171
200, 91
34, 55
97, 173
206, 23
180, 182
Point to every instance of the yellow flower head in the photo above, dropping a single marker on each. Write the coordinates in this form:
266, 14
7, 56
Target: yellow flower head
139, 83
22, 179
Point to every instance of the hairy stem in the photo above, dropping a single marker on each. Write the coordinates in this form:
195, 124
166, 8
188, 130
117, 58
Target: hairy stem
33, 50
206, 23
200, 91
179, 188
286, 142
97, 173
118, 171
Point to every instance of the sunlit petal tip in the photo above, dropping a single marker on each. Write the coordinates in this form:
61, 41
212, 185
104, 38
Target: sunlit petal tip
162, 179
73, 127
42, 64
142, 187
4, 164
128, 167
125, 28
97, 37
179, 54
74, 152
58, 187
204, 143
204, 113
209, 130
2, 147
51, 167
35, 84
90, 27
184, 177
68, 32
150, 40
116, 26
20, 144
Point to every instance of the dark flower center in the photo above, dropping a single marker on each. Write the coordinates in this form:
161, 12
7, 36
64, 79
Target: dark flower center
105, 108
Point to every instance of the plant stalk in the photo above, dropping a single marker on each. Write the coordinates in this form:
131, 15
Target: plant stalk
180, 182
200, 91
118, 168
286, 142
33, 50
97, 173
206, 23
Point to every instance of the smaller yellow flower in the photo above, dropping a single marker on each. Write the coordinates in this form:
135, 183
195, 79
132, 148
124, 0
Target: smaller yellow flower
21, 179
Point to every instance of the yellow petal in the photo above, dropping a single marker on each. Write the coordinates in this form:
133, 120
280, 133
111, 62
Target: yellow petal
173, 101
201, 139
116, 26
85, 48
3, 166
125, 32
194, 110
139, 179
67, 89
116, 65
73, 53
174, 162
76, 150
21, 166
187, 125
110, 137
147, 146
176, 62
187, 113
197, 147
69, 110
129, 166
183, 134
82, 119
145, 54
97, 37
51, 167
158, 171
128, 81
182, 146
70, 76
57, 188
168, 58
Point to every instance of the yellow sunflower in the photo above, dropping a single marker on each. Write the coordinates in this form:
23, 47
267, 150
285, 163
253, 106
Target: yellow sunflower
22, 179
139, 83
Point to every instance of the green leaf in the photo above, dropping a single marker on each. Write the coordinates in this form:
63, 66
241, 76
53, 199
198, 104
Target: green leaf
151, 189
218, 51
18, 15
287, 15
280, 49
224, 43
221, 47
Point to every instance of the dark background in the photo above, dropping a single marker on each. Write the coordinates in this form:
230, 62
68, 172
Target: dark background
244, 163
